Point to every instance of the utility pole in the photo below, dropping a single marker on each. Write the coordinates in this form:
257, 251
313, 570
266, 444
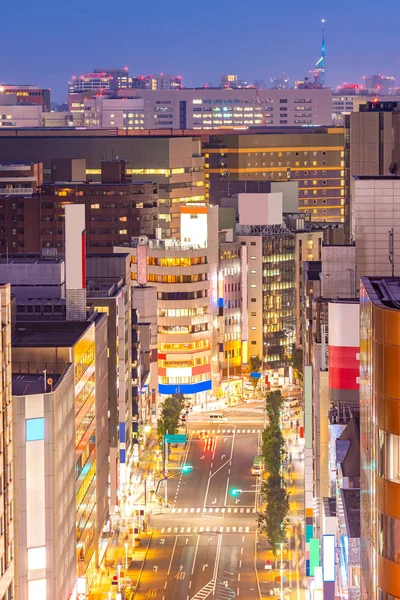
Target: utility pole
165, 469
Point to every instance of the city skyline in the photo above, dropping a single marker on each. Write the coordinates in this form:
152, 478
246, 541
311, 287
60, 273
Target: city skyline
263, 44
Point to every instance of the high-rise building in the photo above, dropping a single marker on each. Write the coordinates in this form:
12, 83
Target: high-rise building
313, 157
100, 80
279, 83
379, 437
375, 225
7, 466
380, 84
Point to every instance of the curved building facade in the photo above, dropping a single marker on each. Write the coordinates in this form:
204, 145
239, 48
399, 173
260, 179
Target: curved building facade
380, 438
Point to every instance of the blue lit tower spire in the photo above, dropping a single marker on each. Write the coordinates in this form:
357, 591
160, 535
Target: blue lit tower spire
319, 71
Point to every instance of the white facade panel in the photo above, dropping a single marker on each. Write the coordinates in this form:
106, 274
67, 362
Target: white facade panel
260, 209
74, 227
35, 495
344, 324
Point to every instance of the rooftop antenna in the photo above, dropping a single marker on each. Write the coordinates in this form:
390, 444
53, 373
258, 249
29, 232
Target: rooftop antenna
391, 249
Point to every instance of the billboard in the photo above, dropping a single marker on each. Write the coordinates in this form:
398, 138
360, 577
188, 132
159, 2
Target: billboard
328, 557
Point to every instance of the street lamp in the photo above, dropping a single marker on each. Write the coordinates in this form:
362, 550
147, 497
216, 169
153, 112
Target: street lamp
126, 556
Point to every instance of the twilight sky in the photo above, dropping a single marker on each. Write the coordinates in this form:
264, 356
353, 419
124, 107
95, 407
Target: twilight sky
50, 41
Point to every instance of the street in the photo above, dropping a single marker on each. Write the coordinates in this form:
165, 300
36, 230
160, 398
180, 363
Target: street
204, 544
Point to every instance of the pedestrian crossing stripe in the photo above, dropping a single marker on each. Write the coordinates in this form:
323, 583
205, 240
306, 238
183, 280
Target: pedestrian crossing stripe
216, 431
244, 510
218, 529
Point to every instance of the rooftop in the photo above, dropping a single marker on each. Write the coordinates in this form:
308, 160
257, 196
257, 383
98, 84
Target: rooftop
377, 177
21, 259
383, 291
48, 334
31, 383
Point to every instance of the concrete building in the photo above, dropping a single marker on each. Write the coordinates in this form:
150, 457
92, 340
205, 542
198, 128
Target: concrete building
55, 346
375, 213
175, 164
219, 108
379, 437
45, 515
16, 115
108, 113
19, 179
27, 94
315, 158
7, 464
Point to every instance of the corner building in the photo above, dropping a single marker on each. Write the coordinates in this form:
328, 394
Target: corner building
380, 438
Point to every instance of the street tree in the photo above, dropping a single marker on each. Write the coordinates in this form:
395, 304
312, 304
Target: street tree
170, 413
297, 361
273, 449
273, 521
255, 366
274, 402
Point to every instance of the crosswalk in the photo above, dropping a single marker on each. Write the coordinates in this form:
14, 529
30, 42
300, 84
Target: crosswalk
205, 591
208, 510
227, 529
244, 410
219, 431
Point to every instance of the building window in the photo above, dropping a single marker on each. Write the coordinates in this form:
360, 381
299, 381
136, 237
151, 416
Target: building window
34, 429
253, 300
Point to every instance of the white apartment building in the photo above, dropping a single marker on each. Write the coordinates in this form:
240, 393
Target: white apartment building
237, 109
19, 115
108, 113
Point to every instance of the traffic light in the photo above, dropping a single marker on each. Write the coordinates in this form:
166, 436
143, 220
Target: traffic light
187, 468
235, 492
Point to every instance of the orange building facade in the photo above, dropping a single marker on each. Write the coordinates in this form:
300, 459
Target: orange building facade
380, 437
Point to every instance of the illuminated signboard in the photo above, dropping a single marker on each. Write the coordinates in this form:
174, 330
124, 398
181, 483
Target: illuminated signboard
328, 557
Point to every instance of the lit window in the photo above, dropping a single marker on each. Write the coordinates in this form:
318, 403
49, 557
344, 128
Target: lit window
36, 558
123, 231
95, 206
112, 115
123, 218
37, 589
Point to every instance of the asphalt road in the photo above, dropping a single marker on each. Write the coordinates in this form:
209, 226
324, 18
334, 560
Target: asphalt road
204, 546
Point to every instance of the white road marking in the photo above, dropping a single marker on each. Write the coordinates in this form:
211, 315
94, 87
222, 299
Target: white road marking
172, 555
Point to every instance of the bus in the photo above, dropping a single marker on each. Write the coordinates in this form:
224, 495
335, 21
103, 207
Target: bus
258, 466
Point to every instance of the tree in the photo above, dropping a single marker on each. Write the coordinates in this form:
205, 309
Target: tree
273, 406
273, 449
297, 361
170, 413
273, 521
255, 365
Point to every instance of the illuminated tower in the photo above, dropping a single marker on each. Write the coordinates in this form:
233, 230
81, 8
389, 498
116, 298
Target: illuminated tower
319, 71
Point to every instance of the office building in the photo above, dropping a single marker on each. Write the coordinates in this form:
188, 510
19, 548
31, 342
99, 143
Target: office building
99, 80
44, 451
52, 346
175, 164
315, 158
379, 437
380, 84
227, 108
16, 115
28, 94
374, 221
107, 113
279, 83
185, 274
7, 465
113, 208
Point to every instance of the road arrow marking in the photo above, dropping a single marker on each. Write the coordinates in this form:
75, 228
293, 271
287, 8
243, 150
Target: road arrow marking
155, 568
204, 567
162, 541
